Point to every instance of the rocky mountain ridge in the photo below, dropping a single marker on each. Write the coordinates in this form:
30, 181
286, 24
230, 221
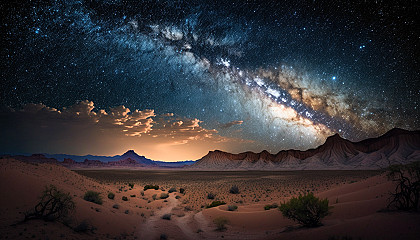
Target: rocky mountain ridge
395, 146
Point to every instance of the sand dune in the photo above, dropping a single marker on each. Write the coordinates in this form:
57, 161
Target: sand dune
355, 213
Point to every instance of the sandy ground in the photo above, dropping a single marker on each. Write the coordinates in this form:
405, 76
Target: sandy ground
354, 214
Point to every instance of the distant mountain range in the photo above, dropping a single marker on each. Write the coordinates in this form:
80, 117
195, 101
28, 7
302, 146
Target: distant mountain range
395, 146
128, 159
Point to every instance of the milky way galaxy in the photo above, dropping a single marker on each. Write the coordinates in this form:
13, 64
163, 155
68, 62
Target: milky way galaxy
236, 76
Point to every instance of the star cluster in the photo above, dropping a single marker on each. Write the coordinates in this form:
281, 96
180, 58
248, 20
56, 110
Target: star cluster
276, 74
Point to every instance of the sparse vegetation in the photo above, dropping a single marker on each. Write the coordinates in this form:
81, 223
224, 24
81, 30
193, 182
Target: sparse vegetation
116, 206
131, 185
155, 187
92, 196
232, 207
171, 190
406, 195
111, 195
270, 206
124, 198
252, 184
154, 196
167, 216
306, 209
215, 204
182, 190
54, 205
164, 196
220, 223
234, 189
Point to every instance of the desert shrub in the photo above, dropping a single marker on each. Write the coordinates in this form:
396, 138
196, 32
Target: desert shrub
215, 204
142, 193
163, 236
306, 209
116, 206
220, 223
171, 190
167, 216
154, 196
406, 195
270, 206
111, 195
234, 189
164, 196
131, 185
177, 197
124, 198
181, 190
53, 205
133, 195
211, 195
232, 208
92, 196
156, 187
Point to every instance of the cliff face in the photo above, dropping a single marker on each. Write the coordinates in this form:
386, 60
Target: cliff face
396, 146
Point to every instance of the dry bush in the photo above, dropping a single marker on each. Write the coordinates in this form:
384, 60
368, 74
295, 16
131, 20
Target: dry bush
54, 205
407, 190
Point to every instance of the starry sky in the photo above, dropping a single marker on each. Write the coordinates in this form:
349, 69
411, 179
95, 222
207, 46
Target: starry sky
175, 79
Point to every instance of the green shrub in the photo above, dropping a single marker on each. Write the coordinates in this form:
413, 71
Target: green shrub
92, 196
215, 204
306, 209
111, 195
164, 196
156, 187
124, 198
232, 208
234, 189
220, 223
133, 195
270, 206
131, 185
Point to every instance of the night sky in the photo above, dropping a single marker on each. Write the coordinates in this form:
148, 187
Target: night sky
173, 80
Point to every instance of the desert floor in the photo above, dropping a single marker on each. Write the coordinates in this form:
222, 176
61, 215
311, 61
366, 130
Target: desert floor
357, 198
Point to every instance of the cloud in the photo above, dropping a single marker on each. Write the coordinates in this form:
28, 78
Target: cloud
230, 124
84, 129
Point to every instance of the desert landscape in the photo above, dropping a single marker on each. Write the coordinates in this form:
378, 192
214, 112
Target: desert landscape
185, 120
180, 207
